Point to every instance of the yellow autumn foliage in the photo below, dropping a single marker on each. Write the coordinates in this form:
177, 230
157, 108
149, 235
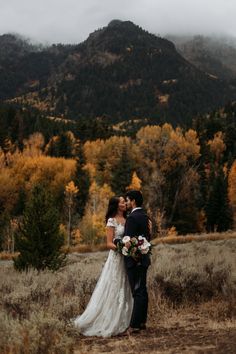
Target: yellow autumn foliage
167, 147
71, 188
135, 182
54, 172
217, 145
166, 164
92, 226
102, 156
23, 172
33, 145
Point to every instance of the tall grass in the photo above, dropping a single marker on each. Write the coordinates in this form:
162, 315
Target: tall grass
36, 308
195, 271
200, 275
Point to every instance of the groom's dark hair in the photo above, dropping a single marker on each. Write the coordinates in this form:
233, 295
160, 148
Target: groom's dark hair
135, 195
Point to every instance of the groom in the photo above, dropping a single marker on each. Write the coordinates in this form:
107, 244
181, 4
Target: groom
137, 223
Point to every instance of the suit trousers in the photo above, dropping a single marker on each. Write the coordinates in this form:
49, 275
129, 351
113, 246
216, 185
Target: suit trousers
137, 276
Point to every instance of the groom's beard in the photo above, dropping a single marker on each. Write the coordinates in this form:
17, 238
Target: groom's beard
128, 210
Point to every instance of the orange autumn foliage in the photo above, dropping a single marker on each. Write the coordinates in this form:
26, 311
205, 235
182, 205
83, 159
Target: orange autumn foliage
23, 172
232, 188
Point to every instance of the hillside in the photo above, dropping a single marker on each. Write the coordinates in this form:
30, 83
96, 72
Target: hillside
120, 72
214, 55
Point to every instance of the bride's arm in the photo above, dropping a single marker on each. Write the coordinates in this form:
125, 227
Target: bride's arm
110, 236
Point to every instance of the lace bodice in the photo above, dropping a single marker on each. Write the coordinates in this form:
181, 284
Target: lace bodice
119, 228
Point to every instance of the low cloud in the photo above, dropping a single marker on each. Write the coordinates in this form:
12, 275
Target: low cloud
71, 21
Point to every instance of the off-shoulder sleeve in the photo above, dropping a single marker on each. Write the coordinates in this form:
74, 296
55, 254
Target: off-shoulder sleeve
111, 222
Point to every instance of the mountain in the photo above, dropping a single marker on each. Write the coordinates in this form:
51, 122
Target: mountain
214, 55
120, 72
14, 47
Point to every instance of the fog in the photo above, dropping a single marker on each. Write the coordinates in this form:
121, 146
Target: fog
71, 21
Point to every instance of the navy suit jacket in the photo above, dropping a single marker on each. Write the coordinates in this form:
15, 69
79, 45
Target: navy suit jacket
137, 225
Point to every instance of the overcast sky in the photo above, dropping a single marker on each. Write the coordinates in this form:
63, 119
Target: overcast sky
71, 21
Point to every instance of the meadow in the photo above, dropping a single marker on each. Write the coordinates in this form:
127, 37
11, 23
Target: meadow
192, 303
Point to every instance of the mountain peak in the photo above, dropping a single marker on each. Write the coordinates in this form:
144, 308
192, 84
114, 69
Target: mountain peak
118, 35
119, 23
114, 22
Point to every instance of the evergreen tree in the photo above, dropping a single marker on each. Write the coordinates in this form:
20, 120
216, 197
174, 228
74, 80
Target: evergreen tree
4, 223
185, 218
20, 203
82, 181
204, 187
64, 145
218, 211
39, 240
123, 171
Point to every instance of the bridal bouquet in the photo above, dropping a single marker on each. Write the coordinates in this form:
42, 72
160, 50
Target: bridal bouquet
134, 246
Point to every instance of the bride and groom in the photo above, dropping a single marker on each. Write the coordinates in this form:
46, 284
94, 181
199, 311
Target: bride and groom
119, 302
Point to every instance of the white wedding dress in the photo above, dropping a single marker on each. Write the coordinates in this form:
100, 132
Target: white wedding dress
109, 310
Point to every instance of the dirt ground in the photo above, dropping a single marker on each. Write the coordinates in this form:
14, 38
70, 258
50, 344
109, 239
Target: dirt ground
190, 335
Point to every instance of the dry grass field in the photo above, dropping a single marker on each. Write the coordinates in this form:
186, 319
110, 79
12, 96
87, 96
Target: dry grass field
192, 290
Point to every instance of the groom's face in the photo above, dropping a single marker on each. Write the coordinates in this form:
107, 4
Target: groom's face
129, 205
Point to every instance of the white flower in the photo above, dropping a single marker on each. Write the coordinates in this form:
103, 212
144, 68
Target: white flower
126, 239
125, 251
140, 238
144, 250
145, 247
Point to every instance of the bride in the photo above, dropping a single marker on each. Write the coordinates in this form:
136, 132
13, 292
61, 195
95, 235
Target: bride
109, 310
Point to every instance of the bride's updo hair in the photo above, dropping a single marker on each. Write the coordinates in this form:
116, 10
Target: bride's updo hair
113, 207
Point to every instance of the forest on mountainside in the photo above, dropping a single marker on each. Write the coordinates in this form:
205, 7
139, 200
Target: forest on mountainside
119, 72
187, 176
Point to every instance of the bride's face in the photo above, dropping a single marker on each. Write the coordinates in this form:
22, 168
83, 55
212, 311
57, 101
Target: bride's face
122, 204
